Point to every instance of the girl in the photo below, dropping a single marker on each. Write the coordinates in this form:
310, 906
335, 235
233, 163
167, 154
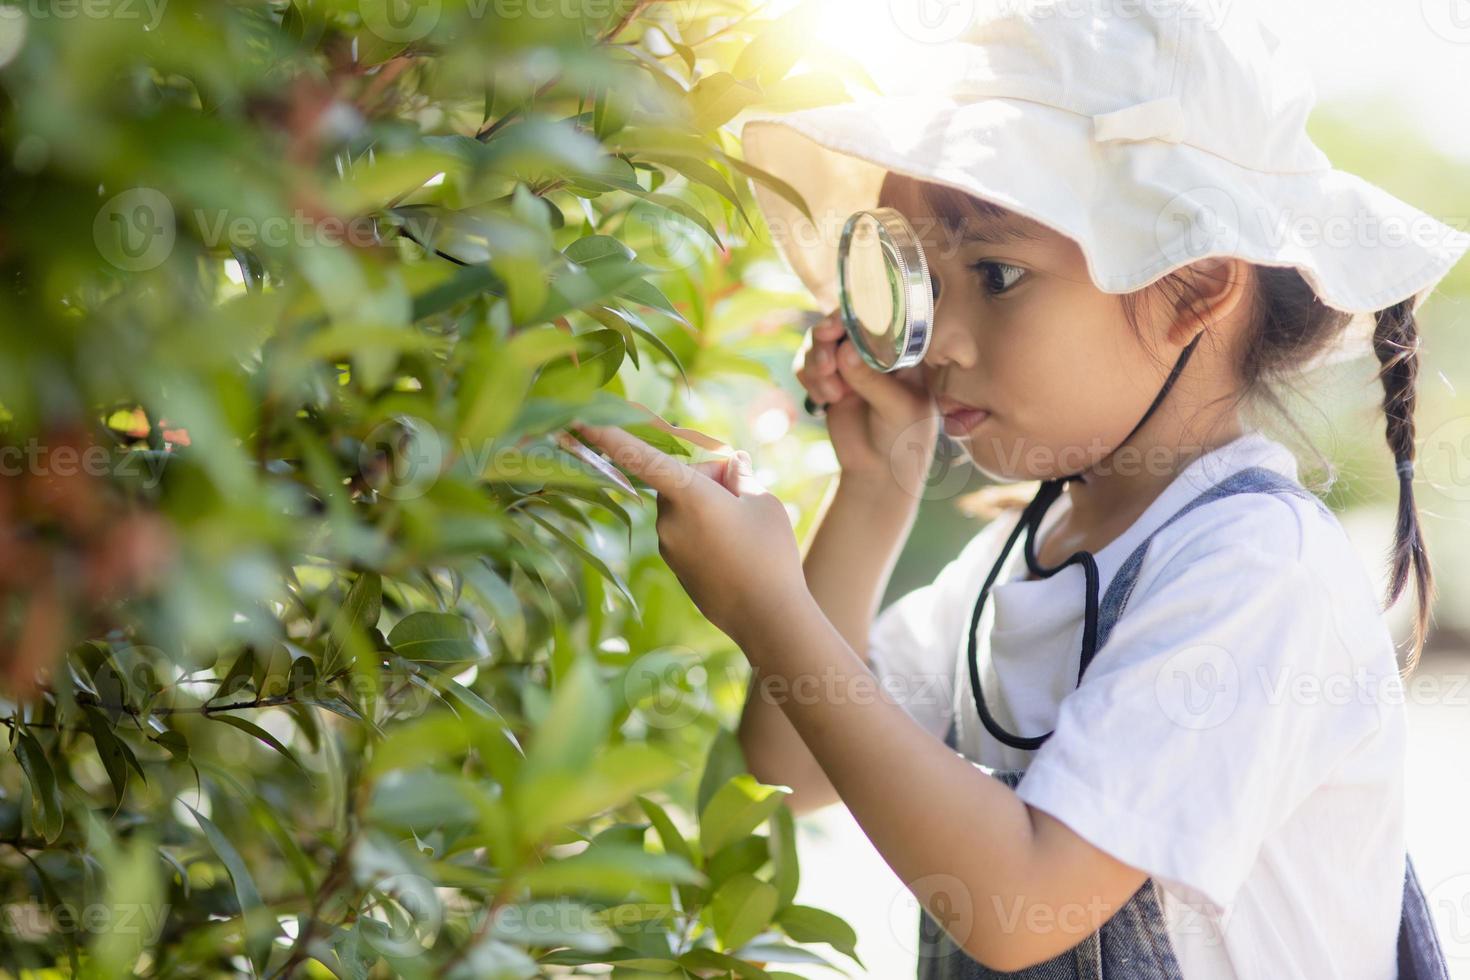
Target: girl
1189, 667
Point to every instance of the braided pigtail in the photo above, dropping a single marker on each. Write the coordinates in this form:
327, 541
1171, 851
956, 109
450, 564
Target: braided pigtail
1396, 344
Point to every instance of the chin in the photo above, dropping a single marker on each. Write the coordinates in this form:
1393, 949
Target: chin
1005, 460
994, 470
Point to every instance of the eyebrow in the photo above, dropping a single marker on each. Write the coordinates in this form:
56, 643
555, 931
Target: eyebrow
1001, 231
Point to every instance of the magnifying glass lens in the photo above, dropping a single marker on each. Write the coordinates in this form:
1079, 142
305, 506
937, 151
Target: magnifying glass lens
886, 299
873, 291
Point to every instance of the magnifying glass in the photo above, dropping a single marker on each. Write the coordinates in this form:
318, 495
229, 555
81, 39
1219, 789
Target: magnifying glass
885, 297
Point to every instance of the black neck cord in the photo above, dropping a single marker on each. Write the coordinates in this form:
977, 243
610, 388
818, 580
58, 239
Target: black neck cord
1030, 521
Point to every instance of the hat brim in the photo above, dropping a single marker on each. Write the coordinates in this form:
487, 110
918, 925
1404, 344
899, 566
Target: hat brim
1138, 209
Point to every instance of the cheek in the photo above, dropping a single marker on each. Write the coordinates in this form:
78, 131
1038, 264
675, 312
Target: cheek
1058, 355
1062, 395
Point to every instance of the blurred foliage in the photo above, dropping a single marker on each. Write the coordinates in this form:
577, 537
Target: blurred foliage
297, 300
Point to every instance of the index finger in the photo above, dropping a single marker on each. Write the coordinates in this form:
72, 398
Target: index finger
829, 327
658, 469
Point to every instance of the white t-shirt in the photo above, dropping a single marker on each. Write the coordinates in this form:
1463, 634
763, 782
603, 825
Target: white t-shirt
1240, 737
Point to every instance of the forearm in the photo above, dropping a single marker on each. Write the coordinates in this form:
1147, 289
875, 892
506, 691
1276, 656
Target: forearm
776, 754
859, 534
962, 840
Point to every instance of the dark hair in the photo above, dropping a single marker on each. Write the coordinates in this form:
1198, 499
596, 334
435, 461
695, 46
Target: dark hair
1290, 325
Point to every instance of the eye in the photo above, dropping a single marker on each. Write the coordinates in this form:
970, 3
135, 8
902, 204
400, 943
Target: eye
997, 277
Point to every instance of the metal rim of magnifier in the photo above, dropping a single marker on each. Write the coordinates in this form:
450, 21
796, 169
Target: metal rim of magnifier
901, 246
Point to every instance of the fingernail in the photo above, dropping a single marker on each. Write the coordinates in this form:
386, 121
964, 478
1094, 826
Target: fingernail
824, 357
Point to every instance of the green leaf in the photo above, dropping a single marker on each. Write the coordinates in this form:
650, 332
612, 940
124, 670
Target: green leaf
114, 754
684, 210
597, 248
600, 354
724, 760
175, 742
562, 797
741, 909
718, 97
46, 807
613, 319
668, 833
462, 285
709, 959
433, 637
369, 185
745, 855
782, 843
610, 871
579, 284
255, 731
473, 702
491, 959
259, 925
781, 187
267, 818
696, 169
240, 677
358, 613
576, 724
134, 895
649, 295
495, 381
589, 557
773, 52
739, 806
534, 147
422, 799
554, 923
811, 925
508, 616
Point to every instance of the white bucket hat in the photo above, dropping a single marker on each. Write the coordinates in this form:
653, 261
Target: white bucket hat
1153, 134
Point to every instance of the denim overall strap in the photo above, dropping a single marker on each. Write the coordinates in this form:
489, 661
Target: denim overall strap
1134, 943
1421, 957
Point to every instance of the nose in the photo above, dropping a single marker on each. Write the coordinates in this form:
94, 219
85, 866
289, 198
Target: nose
952, 341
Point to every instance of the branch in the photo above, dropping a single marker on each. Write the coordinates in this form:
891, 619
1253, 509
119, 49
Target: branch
625, 20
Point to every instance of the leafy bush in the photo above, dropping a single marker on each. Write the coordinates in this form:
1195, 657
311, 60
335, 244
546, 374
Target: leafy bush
370, 668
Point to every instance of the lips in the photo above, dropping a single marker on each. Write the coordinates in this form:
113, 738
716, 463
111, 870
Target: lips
960, 423
950, 406
959, 417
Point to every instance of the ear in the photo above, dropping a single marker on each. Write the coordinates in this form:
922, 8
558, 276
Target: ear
1215, 295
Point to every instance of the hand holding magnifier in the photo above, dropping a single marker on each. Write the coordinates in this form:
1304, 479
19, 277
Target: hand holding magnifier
885, 296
